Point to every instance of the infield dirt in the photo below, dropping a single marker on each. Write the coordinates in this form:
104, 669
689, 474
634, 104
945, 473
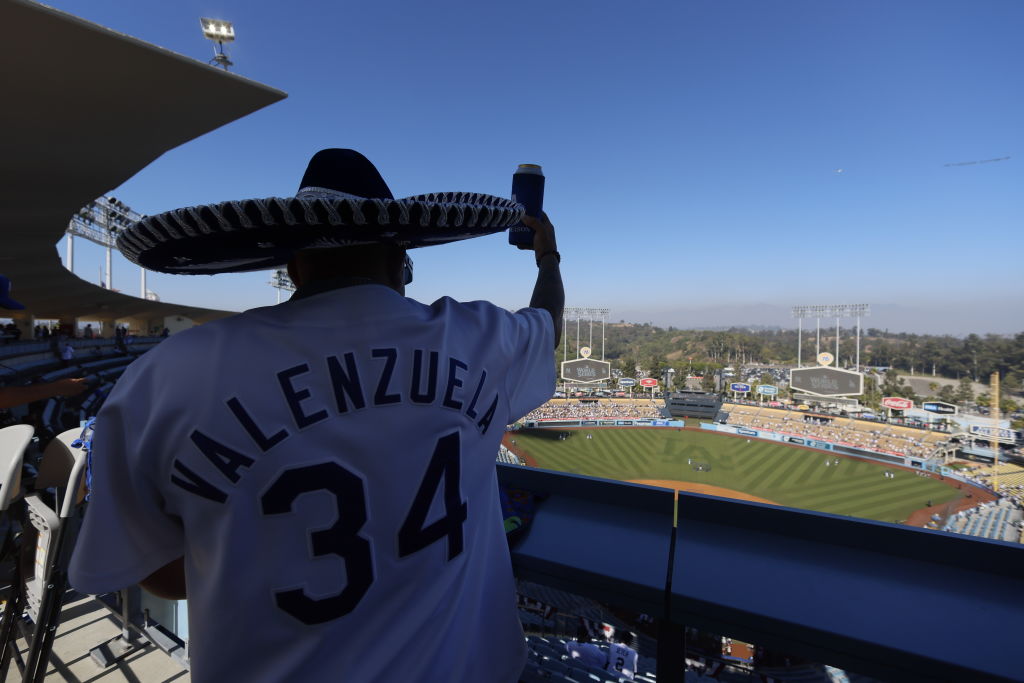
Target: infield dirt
706, 489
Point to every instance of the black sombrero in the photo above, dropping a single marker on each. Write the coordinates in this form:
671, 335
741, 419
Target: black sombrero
342, 201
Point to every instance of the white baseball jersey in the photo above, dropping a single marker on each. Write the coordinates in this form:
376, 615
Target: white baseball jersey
327, 469
622, 658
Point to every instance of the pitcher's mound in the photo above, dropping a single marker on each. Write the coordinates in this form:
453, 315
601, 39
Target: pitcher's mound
706, 489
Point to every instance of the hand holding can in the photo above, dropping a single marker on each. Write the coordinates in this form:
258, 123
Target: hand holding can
528, 190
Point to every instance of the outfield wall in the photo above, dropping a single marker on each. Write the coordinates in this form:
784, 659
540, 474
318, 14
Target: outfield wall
627, 422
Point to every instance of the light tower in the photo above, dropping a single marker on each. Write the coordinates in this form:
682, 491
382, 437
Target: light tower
836, 311
280, 281
220, 32
584, 369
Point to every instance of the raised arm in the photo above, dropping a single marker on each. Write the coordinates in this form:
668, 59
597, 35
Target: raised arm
548, 292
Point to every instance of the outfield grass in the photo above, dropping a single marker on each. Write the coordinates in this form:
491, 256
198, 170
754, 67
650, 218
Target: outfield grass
793, 477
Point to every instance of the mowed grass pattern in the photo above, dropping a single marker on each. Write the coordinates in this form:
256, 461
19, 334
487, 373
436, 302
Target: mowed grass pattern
793, 477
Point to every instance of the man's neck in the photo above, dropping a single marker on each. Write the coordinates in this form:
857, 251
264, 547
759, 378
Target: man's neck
326, 284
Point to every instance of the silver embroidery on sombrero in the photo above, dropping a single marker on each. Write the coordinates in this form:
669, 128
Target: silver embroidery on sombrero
459, 215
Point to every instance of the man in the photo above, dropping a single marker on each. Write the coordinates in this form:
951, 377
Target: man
67, 354
317, 478
621, 657
587, 654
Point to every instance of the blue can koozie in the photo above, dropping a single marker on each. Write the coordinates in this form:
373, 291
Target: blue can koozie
528, 190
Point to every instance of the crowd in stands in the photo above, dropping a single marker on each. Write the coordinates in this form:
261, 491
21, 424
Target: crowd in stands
568, 409
843, 430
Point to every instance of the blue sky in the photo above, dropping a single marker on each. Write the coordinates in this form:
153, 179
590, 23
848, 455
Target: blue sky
691, 149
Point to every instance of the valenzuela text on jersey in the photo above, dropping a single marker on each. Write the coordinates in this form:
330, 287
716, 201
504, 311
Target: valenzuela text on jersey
379, 377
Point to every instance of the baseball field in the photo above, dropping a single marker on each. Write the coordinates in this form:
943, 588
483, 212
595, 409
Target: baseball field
736, 467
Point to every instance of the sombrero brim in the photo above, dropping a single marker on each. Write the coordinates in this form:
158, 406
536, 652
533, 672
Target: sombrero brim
260, 234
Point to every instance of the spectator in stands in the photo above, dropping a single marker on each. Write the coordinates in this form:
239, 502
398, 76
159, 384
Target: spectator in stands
206, 443
16, 396
587, 654
67, 353
166, 333
621, 655
87, 333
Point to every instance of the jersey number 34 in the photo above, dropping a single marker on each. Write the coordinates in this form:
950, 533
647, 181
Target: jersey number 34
343, 538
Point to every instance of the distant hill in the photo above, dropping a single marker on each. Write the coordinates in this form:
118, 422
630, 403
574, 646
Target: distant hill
628, 345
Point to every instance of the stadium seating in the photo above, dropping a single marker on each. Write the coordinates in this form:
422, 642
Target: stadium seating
571, 409
846, 430
997, 521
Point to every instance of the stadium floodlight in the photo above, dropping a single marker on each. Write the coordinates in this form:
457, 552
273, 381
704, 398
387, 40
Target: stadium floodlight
220, 32
280, 281
836, 311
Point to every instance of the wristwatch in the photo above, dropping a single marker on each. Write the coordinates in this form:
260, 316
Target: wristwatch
557, 256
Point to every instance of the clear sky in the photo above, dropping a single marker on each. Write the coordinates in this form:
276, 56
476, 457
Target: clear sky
708, 162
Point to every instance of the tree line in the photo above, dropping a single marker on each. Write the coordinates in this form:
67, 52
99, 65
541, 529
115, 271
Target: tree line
653, 349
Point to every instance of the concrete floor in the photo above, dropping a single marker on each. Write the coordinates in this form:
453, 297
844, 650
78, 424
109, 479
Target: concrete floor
85, 624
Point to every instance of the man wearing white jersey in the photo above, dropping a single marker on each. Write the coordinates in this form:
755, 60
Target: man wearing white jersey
317, 478
622, 658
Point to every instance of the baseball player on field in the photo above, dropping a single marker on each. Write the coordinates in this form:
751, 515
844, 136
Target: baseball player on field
317, 478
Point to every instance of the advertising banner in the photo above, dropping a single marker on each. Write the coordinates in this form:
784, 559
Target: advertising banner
1001, 434
740, 387
768, 390
627, 382
897, 403
939, 407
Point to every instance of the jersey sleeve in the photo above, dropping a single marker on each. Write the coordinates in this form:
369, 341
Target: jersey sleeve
531, 374
126, 534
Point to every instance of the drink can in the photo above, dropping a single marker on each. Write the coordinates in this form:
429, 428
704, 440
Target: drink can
528, 190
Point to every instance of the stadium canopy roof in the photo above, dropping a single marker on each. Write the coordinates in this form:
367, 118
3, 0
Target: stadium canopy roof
66, 140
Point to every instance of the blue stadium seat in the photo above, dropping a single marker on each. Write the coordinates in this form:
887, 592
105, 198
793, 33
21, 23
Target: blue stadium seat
554, 666
533, 674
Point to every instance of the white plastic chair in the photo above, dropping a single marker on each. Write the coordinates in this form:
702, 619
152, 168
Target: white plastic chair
49, 536
13, 442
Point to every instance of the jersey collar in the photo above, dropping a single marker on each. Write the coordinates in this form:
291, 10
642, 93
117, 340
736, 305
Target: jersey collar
328, 284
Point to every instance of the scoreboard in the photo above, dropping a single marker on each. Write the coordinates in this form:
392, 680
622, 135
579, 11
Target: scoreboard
827, 381
585, 370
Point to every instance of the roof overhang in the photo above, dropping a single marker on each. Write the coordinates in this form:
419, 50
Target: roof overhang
62, 123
